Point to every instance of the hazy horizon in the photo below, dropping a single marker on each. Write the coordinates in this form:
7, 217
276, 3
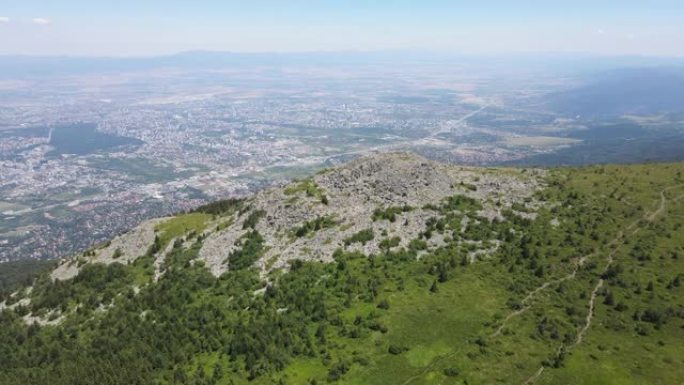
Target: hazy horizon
431, 53
127, 28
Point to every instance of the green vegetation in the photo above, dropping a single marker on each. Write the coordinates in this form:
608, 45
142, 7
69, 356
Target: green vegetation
94, 285
389, 243
418, 244
324, 222
16, 274
222, 207
390, 213
461, 203
363, 237
252, 219
404, 316
251, 246
187, 224
310, 187
117, 254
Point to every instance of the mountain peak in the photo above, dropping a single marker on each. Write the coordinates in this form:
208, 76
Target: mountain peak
310, 219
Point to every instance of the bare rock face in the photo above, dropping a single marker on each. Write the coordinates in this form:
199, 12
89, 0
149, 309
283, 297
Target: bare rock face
352, 193
217, 246
124, 248
345, 197
391, 179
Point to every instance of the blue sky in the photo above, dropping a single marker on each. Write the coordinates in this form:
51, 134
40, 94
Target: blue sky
150, 27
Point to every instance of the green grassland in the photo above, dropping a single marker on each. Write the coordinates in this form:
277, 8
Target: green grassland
309, 187
193, 223
596, 298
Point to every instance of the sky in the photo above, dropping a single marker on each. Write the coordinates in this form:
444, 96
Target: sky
153, 27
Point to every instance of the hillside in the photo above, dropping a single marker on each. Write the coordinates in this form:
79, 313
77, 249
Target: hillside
646, 91
391, 269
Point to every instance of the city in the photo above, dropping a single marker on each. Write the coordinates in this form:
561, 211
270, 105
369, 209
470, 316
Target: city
85, 157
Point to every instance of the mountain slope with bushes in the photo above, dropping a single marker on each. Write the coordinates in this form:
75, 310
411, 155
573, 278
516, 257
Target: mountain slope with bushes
390, 269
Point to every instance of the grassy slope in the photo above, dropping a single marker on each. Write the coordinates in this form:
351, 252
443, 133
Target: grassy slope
181, 225
440, 328
613, 352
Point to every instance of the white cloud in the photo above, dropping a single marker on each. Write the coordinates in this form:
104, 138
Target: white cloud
40, 20
4, 19
600, 31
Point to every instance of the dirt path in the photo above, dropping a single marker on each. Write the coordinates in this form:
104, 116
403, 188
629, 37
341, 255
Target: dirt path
531, 295
509, 317
580, 262
428, 368
663, 201
534, 377
619, 238
611, 256
651, 217
590, 314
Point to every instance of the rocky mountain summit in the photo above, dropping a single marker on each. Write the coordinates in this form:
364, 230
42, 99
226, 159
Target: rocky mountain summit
310, 219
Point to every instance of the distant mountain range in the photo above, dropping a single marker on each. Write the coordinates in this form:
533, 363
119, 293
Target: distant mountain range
638, 91
17, 66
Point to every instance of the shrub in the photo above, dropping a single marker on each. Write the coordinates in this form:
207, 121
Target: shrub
117, 253
390, 213
363, 236
451, 372
397, 349
315, 225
